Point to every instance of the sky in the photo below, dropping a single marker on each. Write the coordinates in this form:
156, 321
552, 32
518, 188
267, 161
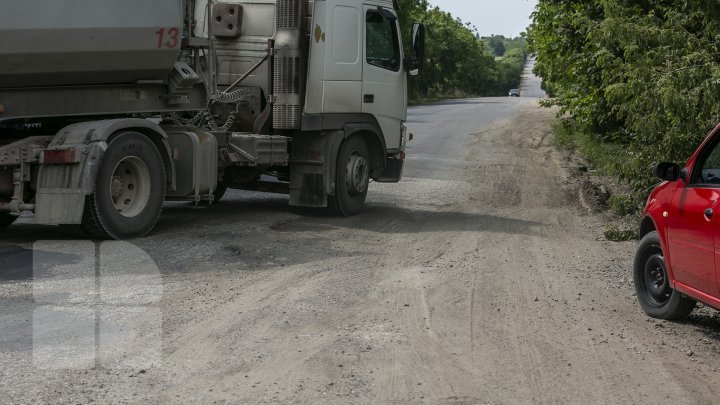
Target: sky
491, 17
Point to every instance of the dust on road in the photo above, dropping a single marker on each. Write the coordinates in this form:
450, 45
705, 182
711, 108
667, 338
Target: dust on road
478, 279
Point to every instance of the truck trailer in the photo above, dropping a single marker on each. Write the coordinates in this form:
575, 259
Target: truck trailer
110, 108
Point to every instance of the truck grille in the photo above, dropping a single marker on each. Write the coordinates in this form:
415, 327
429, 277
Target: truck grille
289, 64
289, 13
286, 116
287, 75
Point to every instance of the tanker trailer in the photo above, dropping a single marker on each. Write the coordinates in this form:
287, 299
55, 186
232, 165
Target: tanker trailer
108, 109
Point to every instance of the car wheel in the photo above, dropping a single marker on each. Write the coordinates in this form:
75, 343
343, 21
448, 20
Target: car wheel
652, 283
129, 190
353, 178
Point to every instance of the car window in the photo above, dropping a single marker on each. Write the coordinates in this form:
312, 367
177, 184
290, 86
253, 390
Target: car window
383, 49
709, 173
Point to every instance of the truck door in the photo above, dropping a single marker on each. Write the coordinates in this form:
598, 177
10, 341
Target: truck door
384, 79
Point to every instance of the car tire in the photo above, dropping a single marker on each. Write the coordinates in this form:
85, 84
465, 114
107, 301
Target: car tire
353, 178
652, 283
129, 190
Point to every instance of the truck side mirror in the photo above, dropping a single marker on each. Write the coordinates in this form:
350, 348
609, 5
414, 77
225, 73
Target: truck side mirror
417, 51
668, 171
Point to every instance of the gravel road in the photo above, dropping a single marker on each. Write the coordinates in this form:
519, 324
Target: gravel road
478, 279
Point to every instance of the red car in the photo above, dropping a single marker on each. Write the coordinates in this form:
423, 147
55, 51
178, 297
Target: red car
678, 259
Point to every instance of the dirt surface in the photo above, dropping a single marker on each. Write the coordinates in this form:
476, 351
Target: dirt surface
480, 278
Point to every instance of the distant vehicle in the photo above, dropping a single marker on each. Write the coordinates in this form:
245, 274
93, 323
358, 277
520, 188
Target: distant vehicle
514, 93
675, 264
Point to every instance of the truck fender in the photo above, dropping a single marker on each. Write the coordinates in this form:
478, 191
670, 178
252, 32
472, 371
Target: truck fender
344, 126
375, 141
62, 188
86, 133
376, 145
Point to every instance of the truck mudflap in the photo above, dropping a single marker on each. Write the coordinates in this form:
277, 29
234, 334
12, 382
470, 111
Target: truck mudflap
394, 167
395, 163
312, 168
62, 188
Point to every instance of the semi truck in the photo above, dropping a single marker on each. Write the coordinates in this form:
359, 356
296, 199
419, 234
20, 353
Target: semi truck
110, 108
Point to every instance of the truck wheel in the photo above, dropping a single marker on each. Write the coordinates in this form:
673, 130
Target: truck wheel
652, 284
129, 189
353, 178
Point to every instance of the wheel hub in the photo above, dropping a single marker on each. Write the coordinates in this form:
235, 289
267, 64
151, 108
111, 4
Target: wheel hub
358, 175
130, 187
656, 280
117, 187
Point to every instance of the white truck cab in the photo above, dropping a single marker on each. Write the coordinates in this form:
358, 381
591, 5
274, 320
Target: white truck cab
356, 64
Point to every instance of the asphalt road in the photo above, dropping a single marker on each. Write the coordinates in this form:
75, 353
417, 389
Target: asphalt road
532, 85
478, 279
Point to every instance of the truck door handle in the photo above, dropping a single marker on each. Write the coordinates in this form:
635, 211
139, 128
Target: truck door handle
709, 213
369, 98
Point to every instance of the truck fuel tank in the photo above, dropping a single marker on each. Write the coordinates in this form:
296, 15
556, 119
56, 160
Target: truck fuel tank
195, 153
85, 42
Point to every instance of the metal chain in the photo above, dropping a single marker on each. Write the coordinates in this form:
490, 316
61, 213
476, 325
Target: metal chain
185, 121
230, 98
210, 121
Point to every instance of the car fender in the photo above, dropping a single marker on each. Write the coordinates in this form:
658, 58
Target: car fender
656, 215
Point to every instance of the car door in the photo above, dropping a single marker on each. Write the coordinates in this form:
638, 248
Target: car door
693, 222
384, 79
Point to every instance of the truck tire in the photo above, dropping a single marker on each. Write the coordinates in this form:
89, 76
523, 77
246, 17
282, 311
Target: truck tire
353, 178
652, 284
129, 190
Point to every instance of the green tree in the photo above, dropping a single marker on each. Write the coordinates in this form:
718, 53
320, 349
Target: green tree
458, 62
496, 44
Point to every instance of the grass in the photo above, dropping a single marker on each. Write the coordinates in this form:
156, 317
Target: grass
603, 156
606, 158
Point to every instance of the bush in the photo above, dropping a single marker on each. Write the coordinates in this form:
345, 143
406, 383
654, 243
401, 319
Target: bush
615, 234
623, 205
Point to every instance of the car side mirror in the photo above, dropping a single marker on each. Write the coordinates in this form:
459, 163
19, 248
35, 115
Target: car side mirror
668, 171
417, 51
